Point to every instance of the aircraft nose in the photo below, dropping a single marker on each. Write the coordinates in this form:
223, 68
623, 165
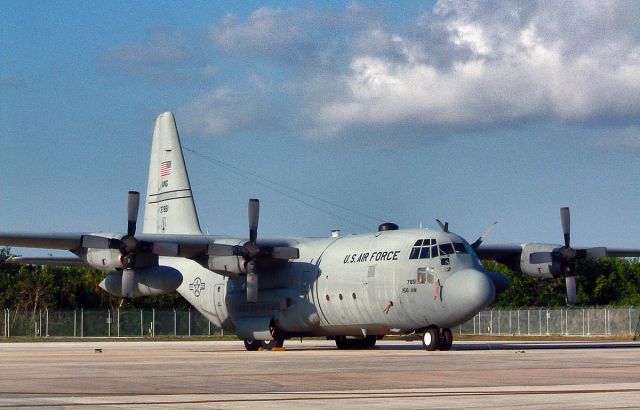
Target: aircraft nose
467, 292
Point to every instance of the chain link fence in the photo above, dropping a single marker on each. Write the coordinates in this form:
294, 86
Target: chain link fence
106, 323
545, 322
154, 323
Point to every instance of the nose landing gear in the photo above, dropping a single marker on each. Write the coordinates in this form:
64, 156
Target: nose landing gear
435, 338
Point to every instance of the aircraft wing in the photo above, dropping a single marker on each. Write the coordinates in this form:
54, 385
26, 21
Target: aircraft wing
52, 260
181, 245
66, 241
188, 245
499, 252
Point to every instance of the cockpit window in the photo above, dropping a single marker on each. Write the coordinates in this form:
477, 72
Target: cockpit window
423, 249
459, 247
446, 249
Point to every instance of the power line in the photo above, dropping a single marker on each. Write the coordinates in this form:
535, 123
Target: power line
278, 188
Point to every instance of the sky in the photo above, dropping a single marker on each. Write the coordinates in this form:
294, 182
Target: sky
338, 115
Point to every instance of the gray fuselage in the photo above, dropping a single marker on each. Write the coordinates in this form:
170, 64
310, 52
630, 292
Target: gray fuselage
369, 284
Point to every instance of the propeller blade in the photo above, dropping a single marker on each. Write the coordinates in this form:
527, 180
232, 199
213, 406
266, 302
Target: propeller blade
133, 203
252, 284
565, 218
218, 249
571, 289
484, 236
594, 253
254, 215
540, 257
285, 252
128, 283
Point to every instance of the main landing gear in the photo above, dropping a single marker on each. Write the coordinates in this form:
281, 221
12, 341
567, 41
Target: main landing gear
253, 345
435, 338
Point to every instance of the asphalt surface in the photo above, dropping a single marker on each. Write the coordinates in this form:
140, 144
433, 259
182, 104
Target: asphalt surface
397, 374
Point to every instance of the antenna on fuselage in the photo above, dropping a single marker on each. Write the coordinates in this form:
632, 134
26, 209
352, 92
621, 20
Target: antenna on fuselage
443, 226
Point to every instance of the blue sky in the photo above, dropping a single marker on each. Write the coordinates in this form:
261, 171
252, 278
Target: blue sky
468, 112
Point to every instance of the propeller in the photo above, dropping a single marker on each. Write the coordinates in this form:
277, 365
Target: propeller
135, 253
129, 245
484, 235
250, 250
565, 255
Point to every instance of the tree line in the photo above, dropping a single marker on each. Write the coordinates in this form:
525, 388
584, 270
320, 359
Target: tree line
602, 282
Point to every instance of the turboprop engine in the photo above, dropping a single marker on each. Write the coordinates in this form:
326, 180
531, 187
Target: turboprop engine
153, 281
546, 269
104, 259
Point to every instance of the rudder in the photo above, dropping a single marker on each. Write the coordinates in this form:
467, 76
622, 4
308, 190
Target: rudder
169, 206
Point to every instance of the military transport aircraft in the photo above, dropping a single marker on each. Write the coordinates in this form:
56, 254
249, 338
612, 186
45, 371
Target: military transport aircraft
353, 289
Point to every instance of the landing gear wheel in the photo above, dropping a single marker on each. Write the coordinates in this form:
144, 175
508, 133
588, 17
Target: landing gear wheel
446, 339
270, 344
431, 339
252, 345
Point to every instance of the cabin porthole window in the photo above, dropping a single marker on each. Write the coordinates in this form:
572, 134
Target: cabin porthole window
327, 298
353, 295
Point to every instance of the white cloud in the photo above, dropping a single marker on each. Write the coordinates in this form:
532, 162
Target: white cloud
522, 65
161, 57
463, 65
221, 112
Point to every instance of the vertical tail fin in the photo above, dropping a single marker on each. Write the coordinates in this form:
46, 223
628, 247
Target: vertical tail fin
169, 206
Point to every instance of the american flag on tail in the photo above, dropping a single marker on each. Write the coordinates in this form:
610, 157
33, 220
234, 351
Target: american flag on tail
165, 168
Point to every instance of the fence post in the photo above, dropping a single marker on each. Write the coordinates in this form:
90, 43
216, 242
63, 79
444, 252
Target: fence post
81, 322
500, 322
74, 322
118, 323
189, 322
491, 321
46, 334
141, 324
210, 327
547, 317
540, 321
153, 322
108, 322
175, 325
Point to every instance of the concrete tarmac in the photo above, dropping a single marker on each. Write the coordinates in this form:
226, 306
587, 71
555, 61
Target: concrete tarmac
397, 374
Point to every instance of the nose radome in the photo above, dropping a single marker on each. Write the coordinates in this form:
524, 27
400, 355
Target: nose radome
467, 292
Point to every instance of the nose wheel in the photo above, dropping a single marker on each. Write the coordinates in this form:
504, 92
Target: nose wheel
435, 338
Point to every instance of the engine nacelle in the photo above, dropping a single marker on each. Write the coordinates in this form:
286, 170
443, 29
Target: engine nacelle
231, 266
104, 259
545, 270
157, 280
